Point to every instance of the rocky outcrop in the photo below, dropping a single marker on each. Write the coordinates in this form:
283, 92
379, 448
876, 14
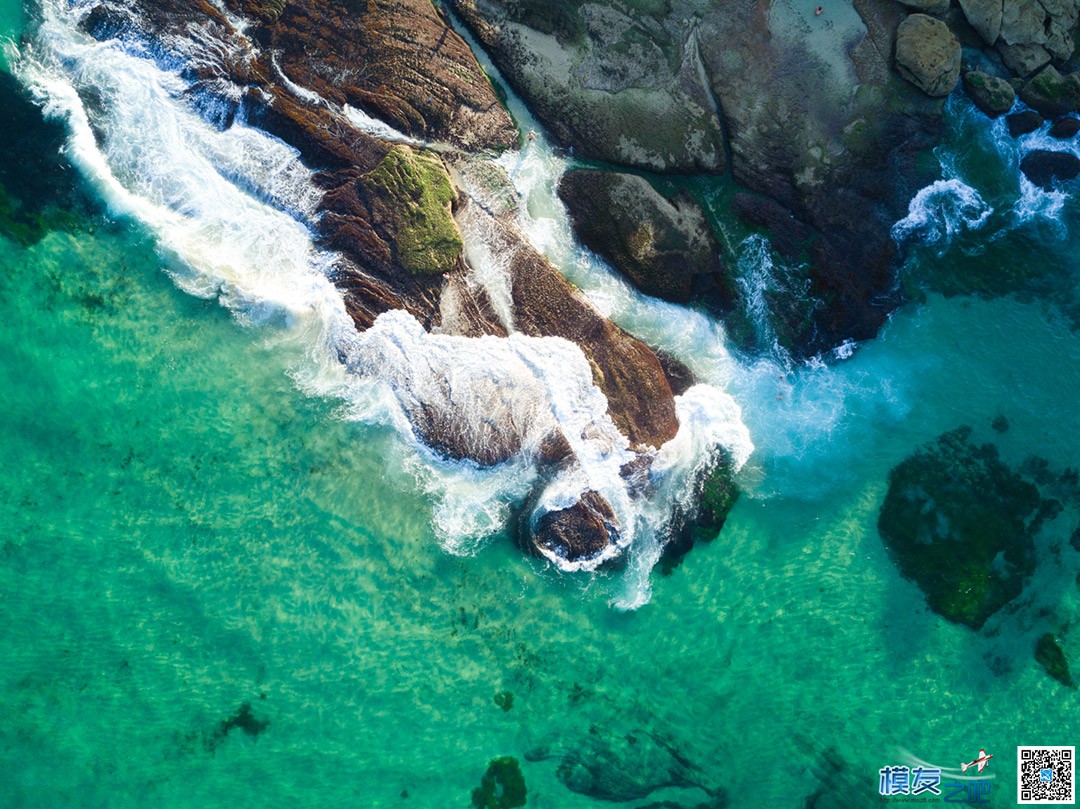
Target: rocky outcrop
664, 246
992, 94
1044, 23
310, 73
582, 532
1047, 168
610, 80
814, 119
928, 54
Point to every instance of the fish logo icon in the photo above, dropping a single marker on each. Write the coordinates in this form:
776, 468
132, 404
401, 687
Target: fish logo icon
980, 763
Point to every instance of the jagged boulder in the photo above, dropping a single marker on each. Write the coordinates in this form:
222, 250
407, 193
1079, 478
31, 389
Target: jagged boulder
819, 124
1044, 23
586, 531
664, 246
993, 95
1048, 168
1052, 94
928, 54
985, 18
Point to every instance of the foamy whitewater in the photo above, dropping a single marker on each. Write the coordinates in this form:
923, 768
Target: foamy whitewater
231, 210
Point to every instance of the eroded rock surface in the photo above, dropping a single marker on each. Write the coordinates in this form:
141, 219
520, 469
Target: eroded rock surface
807, 111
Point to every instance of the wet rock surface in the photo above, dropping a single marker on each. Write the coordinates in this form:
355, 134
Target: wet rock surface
583, 532
1047, 168
818, 123
1024, 122
664, 246
1065, 128
960, 524
1052, 94
308, 72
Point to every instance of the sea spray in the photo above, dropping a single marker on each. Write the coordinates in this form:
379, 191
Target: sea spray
940, 212
232, 210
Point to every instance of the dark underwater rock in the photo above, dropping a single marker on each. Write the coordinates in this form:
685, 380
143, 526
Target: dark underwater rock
664, 246
611, 765
1046, 168
715, 494
243, 719
928, 54
960, 524
502, 787
1022, 123
37, 185
1049, 655
993, 95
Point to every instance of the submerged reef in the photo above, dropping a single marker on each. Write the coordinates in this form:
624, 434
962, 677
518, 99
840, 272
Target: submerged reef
1050, 655
502, 787
960, 524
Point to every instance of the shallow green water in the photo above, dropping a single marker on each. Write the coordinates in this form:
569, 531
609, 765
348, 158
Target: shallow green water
184, 532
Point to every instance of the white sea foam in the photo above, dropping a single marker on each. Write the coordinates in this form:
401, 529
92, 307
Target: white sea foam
941, 211
231, 210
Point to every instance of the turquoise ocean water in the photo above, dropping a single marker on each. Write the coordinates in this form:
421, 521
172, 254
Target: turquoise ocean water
186, 532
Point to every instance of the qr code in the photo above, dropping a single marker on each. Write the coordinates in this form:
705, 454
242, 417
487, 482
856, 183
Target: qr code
1046, 775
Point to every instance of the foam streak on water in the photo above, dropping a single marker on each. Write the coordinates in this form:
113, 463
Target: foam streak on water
231, 209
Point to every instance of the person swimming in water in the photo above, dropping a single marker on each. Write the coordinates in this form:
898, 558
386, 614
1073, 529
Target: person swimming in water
818, 10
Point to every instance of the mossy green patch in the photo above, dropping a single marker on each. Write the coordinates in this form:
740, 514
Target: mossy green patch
960, 524
1049, 655
502, 787
425, 237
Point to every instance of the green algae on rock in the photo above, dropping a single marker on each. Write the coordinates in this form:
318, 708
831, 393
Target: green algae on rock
426, 240
502, 787
991, 94
960, 524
